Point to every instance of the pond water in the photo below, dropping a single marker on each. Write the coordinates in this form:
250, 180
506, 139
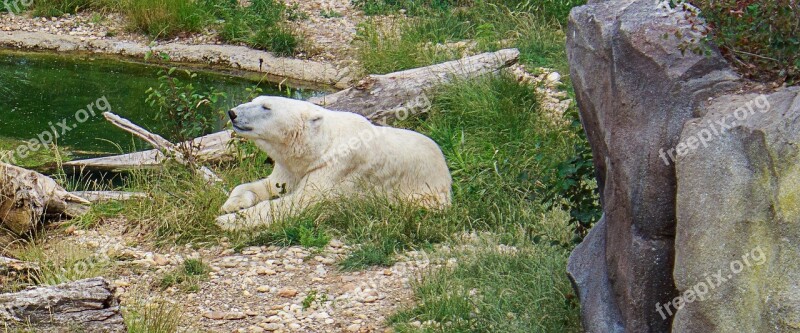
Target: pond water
40, 91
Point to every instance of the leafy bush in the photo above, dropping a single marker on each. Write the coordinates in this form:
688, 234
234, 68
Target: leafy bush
187, 112
760, 38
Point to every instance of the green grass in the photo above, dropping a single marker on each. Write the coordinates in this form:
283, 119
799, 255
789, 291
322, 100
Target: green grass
61, 262
187, 276
535, 28
164, 19
159, 316
496, 290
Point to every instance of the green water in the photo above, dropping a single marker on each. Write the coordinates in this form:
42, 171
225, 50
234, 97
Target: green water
37, 90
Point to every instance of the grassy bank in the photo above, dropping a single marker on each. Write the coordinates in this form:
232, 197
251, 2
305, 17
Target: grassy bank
261, 25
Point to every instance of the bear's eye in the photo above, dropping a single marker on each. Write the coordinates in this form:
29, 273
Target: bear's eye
265, 108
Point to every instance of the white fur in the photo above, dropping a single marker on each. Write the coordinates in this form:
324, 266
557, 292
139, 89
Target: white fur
320, 153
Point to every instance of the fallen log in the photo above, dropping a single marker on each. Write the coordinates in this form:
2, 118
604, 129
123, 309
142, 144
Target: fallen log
13, 269
99, 196
26, 197
382, 98
85, 306
176, 152
214, 147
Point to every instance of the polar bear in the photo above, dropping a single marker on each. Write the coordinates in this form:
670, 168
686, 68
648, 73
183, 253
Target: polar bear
320, 154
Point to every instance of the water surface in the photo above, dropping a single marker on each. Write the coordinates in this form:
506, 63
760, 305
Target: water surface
38, 91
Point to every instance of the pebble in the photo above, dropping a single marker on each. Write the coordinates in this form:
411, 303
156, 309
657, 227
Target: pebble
287, 292
235, 316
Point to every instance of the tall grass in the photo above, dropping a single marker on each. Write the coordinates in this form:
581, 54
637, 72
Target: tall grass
164, 19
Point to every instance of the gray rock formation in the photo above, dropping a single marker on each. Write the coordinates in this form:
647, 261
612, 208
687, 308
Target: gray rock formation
737, 262
635, 90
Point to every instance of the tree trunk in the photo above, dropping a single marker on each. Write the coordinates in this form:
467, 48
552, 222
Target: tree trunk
26, 197
83, 306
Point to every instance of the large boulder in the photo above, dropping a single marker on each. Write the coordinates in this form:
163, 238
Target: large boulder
635, 90
737, 263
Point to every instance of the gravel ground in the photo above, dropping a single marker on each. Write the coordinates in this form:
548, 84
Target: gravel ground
260, 289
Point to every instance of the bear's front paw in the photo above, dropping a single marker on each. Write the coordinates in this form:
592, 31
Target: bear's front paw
239, 201
227, 222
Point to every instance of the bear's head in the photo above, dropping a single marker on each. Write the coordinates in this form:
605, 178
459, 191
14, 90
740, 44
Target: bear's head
278, 125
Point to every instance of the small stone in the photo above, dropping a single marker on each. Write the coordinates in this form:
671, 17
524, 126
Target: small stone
287, 292
273, 319
160, 260
271, 326
255, 329
235, 316
251, 313
353, 328
387, 272
262, 289
214, 315
370, 299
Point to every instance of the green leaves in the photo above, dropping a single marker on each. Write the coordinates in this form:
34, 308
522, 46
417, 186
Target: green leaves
187, 112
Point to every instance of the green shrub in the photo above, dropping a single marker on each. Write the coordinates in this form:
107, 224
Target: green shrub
187, 112
759, 37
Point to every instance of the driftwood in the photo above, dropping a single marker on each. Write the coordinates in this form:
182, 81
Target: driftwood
382, 98
99, 196
210, 148
161, 144
27, 196
83, 306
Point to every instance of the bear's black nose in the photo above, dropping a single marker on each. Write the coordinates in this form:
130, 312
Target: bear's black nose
232, 115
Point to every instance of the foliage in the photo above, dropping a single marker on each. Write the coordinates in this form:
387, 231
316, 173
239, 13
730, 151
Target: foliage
574, 186
186, 112
759, 37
